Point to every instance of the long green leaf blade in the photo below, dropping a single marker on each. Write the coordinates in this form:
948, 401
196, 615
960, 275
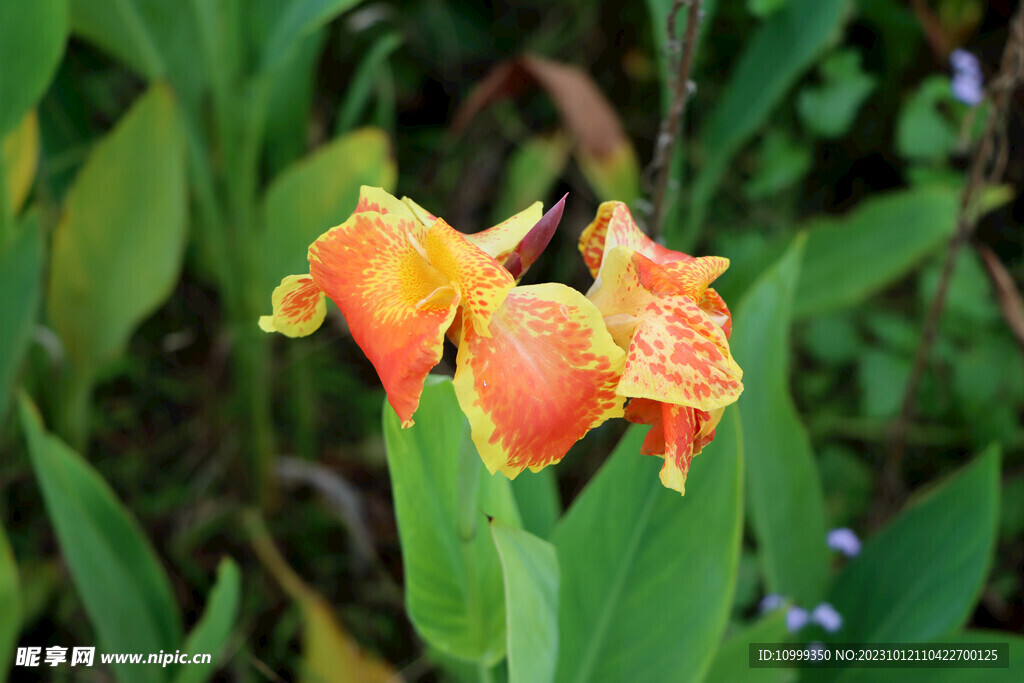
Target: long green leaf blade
117, 251
782, 49
211, 634
786, 504
919, 578
115, 571
10, 604
453, 580
530, 567
32, 37
642, 566
21, 265
849, 258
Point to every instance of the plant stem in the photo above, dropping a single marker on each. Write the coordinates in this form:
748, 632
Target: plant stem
670, 125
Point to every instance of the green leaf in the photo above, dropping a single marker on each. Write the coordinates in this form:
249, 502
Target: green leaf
830, 109
530, 173
850, 258
966, 638
530, 567
922, 131
313, 195
786, 505
783, 163
765, 8
211, 634
10, 604
882, 376
298, 19
780, 51
19, 157
21, 265
538, 500
118, 248
114, 569
647, 575
289, 102
155, 38
453, 581
361, 86
730, 663
920, 577
32, 36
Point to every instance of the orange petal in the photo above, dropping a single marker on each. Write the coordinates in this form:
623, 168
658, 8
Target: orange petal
501, 240
614, 226
687, 278
677, 434
647, 412
379, 200
396, 304
544, 378
299, 307
679, 355
479, 279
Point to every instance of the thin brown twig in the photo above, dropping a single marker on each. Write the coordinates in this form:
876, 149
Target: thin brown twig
1011, 304
683, 88
987, 167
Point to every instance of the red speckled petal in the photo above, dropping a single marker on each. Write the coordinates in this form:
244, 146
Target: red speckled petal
379, 200
686, 278
501, 240
644, 411
677, 434
299, 307
545, 377
678, 355
614, 226
713, 304
396, 304
482, 282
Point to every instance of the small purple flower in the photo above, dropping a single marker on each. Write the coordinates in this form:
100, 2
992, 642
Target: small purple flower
826, 616
770, 603
796, 619
968, 83
843, 540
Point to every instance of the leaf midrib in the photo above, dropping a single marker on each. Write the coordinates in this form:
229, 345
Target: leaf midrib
613, 596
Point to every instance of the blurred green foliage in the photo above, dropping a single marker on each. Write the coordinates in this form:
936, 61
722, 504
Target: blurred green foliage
165, 164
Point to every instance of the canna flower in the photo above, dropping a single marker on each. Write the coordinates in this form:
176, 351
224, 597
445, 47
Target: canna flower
536, 368
656, 303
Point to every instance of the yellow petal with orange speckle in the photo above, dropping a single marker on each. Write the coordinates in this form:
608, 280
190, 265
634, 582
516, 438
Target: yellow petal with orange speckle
396, 304
299, 307
679, 355
421, 214
501, 240
545, 376
379, 200
480, 280
614, 226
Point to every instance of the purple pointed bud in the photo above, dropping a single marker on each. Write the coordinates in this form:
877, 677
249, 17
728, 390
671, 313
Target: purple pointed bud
770, 603
968, 83
535, 241
796, 619
826, 616
843, 540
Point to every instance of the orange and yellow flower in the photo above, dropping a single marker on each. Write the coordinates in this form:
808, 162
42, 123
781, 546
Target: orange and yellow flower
658, 307
536, 367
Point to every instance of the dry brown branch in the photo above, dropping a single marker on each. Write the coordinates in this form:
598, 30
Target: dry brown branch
660, 167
